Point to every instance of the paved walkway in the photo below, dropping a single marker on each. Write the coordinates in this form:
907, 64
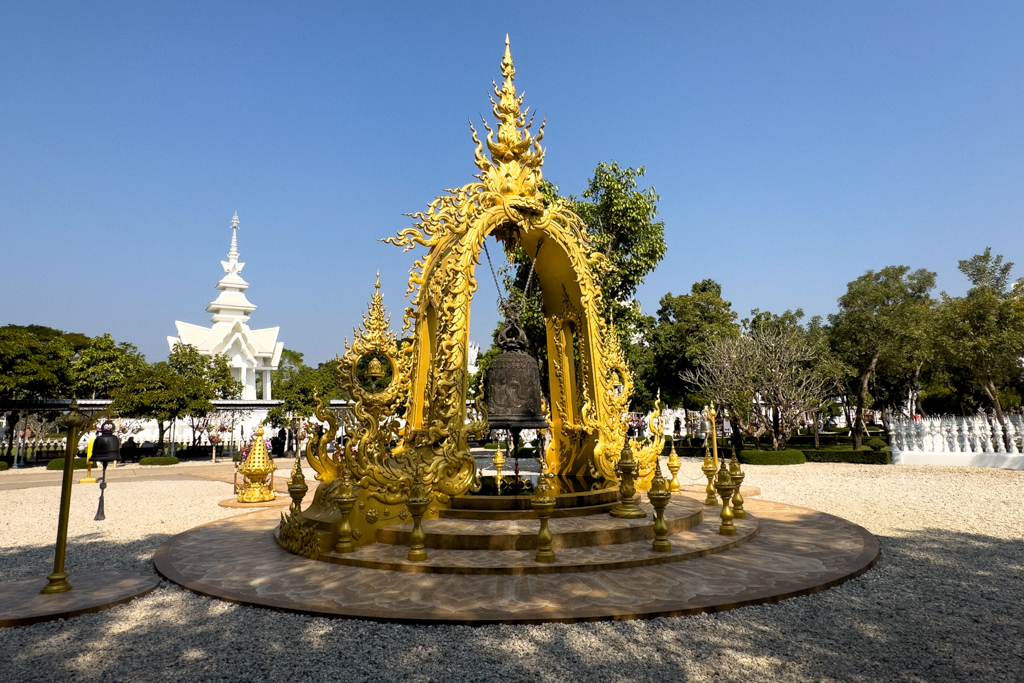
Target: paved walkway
33, 477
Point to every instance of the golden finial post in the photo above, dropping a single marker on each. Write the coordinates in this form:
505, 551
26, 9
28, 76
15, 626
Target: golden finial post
674, 465
712, 415
709, 470
543, 502
418, 503
737, 475
725, 487
628, 507
345, 500
659, 496
297, 486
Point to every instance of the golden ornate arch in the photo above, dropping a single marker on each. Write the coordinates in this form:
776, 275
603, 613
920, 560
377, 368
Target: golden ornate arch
590, 382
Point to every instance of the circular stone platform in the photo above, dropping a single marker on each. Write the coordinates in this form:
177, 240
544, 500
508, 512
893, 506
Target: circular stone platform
782, 551
280, 501
22, 604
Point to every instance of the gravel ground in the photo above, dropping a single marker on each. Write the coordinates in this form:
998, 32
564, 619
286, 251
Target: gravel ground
945, 603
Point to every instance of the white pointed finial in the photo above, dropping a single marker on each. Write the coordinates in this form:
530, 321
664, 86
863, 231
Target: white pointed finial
233, 254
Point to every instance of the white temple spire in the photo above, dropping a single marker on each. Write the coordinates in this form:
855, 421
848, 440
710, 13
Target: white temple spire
250, 352
233, 254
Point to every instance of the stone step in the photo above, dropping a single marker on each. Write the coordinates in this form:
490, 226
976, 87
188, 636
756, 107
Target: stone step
681, 514
525, 514
562, 500
699, 541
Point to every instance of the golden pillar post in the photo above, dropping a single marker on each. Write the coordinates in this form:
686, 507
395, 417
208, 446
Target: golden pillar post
346, 501
418, 503
712, 414
659, 496
725, 489
709, 470
737, 475
543, 502
674, 464
628, 507
76, 422
297, 487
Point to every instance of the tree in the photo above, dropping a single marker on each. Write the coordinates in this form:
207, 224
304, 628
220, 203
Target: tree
200, 379
31, 367
879, 319
103, 365
182, 387
687, 327
151, 393
766, 378
297, 385
982, 333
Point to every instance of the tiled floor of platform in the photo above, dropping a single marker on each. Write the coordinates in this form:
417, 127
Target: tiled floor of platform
796, 552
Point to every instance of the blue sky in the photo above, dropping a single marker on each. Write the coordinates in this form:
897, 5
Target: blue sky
794, 145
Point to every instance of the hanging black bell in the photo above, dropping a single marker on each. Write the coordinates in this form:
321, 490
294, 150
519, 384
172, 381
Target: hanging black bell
106, 447
513, 382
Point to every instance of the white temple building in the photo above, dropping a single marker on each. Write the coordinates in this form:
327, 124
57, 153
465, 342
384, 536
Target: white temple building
250, 352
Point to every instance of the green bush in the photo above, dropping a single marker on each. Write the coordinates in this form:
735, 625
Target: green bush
494, 446
864, 457
58, 464
786, 457
876, 444
159, 460
3, 466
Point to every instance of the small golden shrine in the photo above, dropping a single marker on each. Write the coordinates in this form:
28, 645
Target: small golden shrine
257, 473
412, 417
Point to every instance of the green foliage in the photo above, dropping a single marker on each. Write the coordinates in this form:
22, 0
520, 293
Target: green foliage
35, 362
876, 444
621, 224
883, 318
295, 385
863, 457
159, 460
3, 466
786, 457
494, 446
687, 326
181, 387
58, 464
981, 335
103, 365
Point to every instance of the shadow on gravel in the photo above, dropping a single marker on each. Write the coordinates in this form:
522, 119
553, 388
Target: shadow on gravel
939, 606
83, 554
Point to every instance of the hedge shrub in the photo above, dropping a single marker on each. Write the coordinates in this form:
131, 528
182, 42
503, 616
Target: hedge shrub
786, 457
3, 465
863, 457
876, 444
58, 464
159, 460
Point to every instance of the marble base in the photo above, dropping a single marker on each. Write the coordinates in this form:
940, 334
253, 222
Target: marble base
795, 552
22, 604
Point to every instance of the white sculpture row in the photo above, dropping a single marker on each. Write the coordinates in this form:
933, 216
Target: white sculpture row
980, 433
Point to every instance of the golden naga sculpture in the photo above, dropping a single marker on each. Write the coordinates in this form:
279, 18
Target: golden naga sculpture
257, 473
410, 412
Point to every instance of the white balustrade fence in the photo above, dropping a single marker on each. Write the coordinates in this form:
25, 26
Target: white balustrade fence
973, 440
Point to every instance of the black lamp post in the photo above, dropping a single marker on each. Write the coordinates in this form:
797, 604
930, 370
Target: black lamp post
105, 449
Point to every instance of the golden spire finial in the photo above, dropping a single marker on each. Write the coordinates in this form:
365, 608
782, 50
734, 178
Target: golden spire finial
508, 69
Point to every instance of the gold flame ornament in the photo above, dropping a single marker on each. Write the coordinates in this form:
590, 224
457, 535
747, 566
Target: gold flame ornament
257, 473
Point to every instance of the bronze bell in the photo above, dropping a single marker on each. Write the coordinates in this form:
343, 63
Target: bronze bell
513, 382
374, 369
106, 447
